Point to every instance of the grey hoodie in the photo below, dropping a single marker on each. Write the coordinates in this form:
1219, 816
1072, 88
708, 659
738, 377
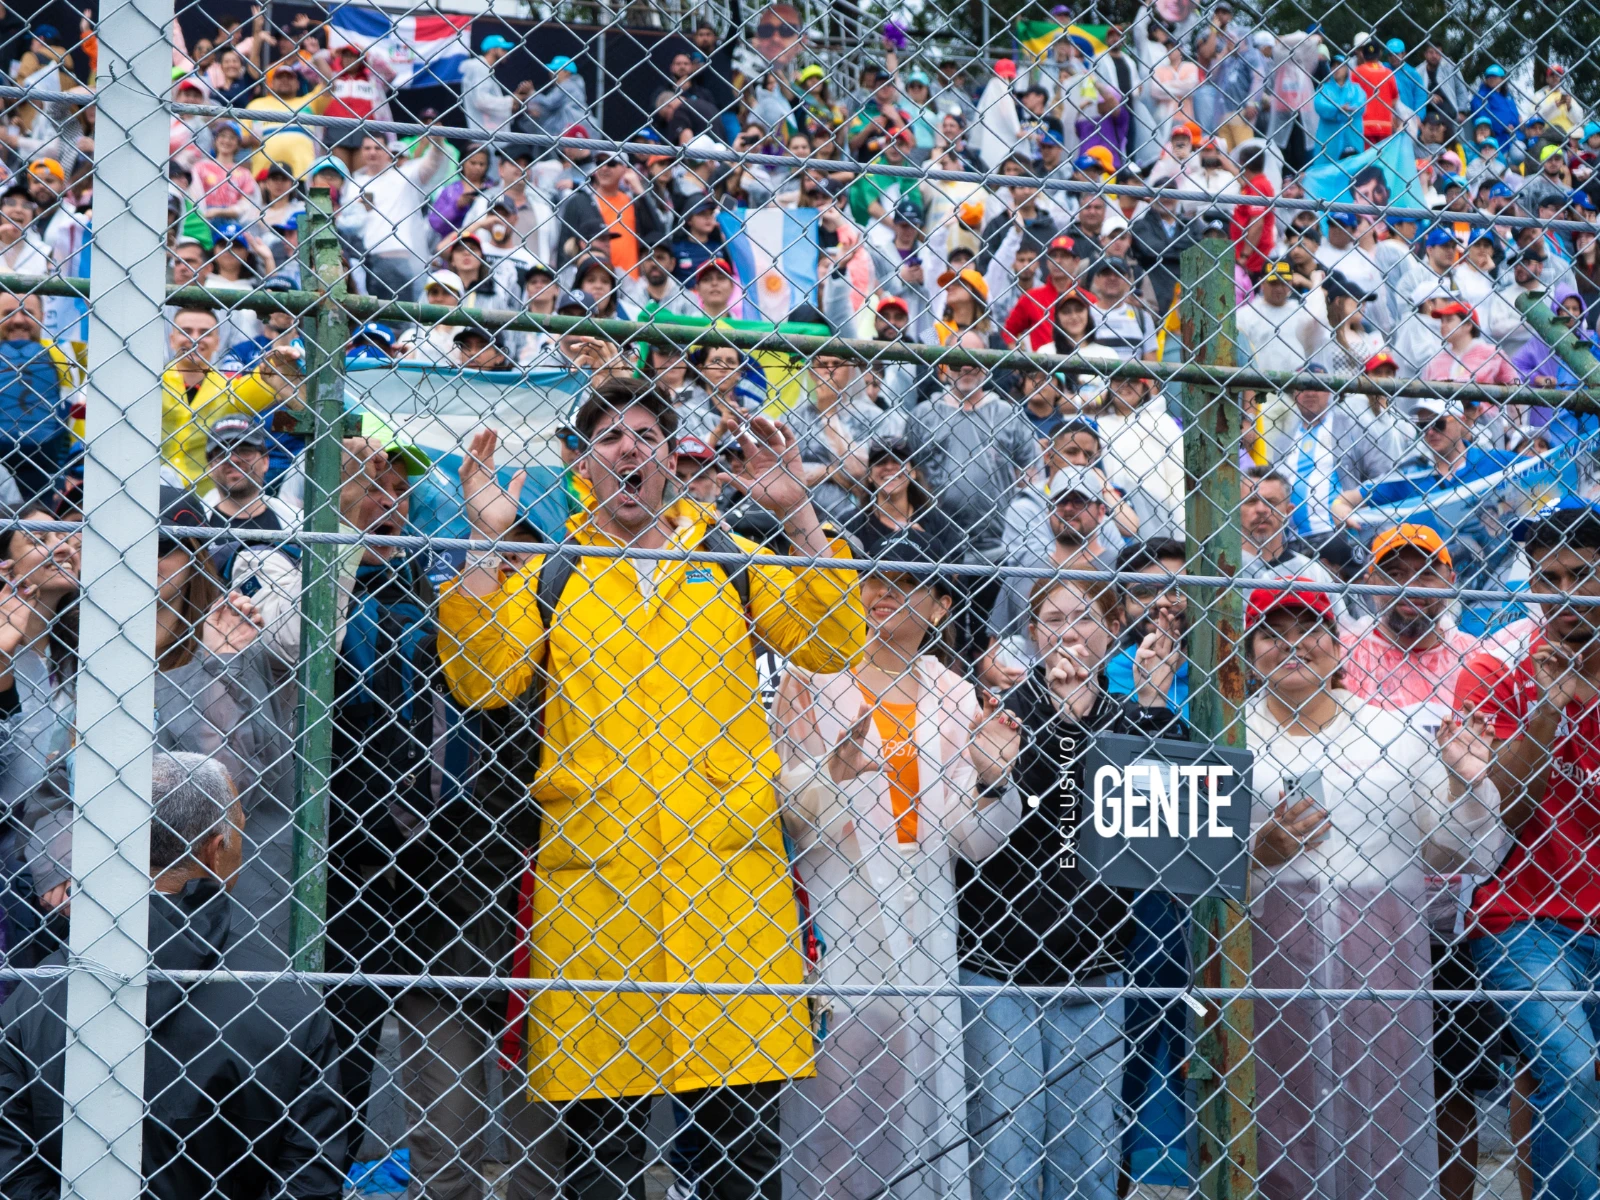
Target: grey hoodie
975, 460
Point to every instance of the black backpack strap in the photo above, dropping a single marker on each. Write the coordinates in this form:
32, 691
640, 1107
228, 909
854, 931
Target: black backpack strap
551, 580
719, 541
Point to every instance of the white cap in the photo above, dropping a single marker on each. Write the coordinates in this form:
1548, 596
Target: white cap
1261, 39
1439, 408
447, 279
1082, 481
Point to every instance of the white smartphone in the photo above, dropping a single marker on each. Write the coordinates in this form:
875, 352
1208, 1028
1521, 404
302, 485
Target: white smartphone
1306, 785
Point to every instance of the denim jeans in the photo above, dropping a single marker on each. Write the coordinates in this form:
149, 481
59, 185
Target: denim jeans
1558, 1040
1067, 1136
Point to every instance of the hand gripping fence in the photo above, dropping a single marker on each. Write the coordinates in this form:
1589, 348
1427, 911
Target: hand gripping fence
786, 603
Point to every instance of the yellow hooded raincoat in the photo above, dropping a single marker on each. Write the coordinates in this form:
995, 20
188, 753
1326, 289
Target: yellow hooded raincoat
662, 856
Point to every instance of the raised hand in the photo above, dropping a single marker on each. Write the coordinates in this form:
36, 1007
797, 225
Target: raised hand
232, 624
491, 509
773, 475
1558, 678
1156, 662
996, 739
849, 759
1293, 830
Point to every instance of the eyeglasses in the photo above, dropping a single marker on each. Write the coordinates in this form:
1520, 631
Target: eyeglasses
773, 29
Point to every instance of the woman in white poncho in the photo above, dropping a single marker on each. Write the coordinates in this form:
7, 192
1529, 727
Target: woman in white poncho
1353, 804
890, 771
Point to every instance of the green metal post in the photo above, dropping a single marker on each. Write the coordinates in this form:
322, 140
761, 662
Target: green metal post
325, 332
1572, 350
1221, 1066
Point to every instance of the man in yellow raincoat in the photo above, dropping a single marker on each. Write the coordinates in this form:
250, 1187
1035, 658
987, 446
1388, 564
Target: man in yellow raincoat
661, 859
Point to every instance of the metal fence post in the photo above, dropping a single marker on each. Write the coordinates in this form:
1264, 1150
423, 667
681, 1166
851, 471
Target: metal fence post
102, 1137
325, 341
1221, 1066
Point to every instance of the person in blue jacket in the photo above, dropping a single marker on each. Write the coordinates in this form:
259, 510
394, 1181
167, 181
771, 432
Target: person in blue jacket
1413, 92
1339, 103
1494, 101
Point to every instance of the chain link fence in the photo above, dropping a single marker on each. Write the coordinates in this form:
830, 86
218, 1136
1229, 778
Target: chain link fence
654, 601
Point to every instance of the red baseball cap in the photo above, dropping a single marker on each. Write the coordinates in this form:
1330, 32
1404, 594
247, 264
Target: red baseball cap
692, 447
716, 264
1265, 600
1063, 242
893, 302
1381, 359
1006, 68
1455, 308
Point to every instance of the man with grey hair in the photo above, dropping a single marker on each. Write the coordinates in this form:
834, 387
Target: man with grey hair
238, 1077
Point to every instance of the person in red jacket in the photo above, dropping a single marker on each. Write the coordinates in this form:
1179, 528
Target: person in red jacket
1377, 81
1030, 317
1254, 227
358, 93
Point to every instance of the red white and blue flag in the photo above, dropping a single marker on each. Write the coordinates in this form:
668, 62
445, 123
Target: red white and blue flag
409, 51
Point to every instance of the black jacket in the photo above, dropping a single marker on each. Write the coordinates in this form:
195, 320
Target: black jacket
239, 1078
1159, 252
1024, 918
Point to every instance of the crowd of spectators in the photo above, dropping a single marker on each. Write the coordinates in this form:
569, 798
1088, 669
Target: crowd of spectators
639, 770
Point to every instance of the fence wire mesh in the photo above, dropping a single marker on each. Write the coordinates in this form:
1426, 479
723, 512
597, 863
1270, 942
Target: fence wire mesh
687, 602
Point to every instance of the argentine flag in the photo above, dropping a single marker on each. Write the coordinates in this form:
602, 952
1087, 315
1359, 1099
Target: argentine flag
412, 51
774, 250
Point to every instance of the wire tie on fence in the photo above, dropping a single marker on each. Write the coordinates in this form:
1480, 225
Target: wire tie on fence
1195, 1005
89, 966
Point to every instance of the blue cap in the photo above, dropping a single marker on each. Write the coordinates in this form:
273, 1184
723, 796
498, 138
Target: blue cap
1568, 503
1480, 233
1439, 237
1476, 121
1500, 191
228, 231
1053, 137
1490, 141
1582, 199
1339, 58
1452, 181
377, 331
1348, 220
328, 163
495, 42
1316, 369
1395, 46
561, 62
1592, 128
1494, 71
290, 224
1084, 163
46, 33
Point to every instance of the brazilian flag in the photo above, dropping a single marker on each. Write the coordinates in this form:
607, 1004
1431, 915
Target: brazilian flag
1036, 37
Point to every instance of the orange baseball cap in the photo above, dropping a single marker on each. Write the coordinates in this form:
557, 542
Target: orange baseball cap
974, 281
1418, 537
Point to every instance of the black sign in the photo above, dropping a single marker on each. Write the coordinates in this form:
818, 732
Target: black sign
1164, 814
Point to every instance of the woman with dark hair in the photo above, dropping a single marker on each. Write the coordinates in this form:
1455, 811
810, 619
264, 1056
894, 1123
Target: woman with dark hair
213, 696
897, 501
893, 772
1072, 326
453, 204
595, 278
1353, 805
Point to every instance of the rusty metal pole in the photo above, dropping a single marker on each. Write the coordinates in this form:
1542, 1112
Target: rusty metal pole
1221, 1067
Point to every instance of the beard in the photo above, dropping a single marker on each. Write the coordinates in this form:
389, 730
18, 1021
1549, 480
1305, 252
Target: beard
1408, 625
